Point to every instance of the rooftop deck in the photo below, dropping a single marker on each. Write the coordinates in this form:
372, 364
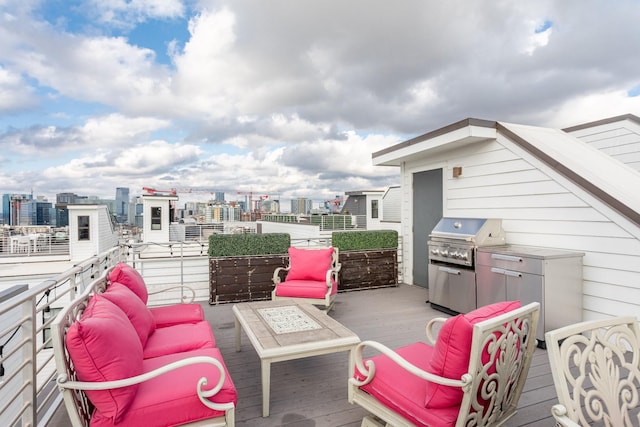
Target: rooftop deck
313, 391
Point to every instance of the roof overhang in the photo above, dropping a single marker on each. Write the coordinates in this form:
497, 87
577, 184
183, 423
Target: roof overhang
464, 132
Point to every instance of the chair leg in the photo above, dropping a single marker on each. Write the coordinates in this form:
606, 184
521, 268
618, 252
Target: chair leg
372, 421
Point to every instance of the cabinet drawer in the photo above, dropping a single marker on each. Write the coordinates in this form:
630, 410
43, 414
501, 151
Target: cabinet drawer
513, 262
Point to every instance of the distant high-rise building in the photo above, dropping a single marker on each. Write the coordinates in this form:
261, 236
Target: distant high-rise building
36, 212
122, 205
11, 204
219, 196
301, 206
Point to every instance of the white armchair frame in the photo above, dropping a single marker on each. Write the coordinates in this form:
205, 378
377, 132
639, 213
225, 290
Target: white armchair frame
332, 273
596, 372
78, 406
510, 340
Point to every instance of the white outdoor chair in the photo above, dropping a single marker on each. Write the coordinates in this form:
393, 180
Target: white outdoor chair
472, 375
595, 367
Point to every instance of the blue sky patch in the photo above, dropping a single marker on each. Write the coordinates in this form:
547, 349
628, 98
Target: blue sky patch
546, 25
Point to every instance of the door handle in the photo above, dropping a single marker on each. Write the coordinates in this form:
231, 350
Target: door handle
506, 272
506, 257
449, 270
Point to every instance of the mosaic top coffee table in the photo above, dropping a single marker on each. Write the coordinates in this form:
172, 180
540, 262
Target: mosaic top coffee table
286, 330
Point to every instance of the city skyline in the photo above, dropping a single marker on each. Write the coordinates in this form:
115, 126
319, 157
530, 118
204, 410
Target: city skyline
287, 97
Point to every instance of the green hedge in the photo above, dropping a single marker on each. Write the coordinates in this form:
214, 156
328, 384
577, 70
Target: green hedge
362, 240
248, 244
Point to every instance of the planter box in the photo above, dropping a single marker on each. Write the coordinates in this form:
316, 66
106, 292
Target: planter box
368, 269
243, 278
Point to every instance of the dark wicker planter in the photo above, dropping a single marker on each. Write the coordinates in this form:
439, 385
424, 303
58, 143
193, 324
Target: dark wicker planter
243, 278
367, 269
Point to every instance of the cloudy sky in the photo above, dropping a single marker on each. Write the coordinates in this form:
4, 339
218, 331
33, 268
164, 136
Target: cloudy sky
283, 97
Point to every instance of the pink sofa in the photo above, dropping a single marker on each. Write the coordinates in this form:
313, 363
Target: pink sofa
136, 365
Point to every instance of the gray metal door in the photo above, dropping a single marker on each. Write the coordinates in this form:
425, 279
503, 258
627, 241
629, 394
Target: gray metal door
427, 211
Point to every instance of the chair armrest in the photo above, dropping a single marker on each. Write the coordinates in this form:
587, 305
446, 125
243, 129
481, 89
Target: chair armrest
185, 299
368, 368
559, 413
276, 274
431, 336
63, 382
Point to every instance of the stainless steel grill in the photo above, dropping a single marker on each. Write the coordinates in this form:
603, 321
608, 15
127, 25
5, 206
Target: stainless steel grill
452, 259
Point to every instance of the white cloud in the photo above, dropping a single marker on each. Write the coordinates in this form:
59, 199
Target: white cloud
15, 94
117, 129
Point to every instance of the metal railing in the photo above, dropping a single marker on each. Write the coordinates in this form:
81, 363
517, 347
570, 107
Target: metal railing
33, 245
27, 367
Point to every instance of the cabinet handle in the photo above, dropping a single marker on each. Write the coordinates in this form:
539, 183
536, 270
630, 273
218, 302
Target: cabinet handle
449, 270
506, 272
506, 257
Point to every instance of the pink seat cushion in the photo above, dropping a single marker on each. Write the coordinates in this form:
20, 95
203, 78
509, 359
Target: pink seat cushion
104, 346
304, 289
138, 314
170, 399
404, 393
452, 352
179, 338
169, 315
309, 264
128, 276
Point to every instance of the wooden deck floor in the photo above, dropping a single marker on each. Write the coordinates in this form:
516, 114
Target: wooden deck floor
313, 391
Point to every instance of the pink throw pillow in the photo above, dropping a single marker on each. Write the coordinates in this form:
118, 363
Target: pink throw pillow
309, 264
139, 315
128, 276
103, 346
452, 352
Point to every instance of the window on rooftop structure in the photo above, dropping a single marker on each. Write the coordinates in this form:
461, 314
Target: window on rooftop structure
374, 209
156, 218
83, 227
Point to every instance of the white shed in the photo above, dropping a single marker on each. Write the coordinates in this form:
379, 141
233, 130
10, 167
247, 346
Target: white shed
551, 188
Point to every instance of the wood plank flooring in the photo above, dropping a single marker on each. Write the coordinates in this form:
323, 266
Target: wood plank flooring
312, 392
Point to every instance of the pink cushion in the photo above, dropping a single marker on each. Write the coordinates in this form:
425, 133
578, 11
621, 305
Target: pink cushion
178, 339
309, 264
104, 346
168, 315
403, 392
171, 399
453, 351
138, 314
128, 276
304, 289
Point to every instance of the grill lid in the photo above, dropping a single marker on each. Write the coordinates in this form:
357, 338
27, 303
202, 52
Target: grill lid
480, 231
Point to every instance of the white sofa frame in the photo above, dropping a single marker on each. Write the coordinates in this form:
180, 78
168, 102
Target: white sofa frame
515, 343
332, 273
78, 406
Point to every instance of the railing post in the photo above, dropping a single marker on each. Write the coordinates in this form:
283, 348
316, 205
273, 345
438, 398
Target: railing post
181, 271
29, 394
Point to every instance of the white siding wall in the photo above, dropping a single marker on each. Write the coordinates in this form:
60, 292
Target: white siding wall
541, 208
107, 235
621, 140
391, 205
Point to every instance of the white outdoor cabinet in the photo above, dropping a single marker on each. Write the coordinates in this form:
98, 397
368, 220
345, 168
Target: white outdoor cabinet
549, 276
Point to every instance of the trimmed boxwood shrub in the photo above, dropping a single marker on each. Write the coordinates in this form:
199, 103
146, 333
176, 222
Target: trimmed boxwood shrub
363, 240
248, 244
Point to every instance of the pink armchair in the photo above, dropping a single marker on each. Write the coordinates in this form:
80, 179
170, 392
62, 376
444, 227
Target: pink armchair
312, 277
471, 374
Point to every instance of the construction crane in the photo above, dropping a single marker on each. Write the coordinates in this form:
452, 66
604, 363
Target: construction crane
171, 192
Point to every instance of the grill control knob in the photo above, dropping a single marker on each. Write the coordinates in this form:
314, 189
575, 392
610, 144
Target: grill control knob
444, 253
435, 252
464, 256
